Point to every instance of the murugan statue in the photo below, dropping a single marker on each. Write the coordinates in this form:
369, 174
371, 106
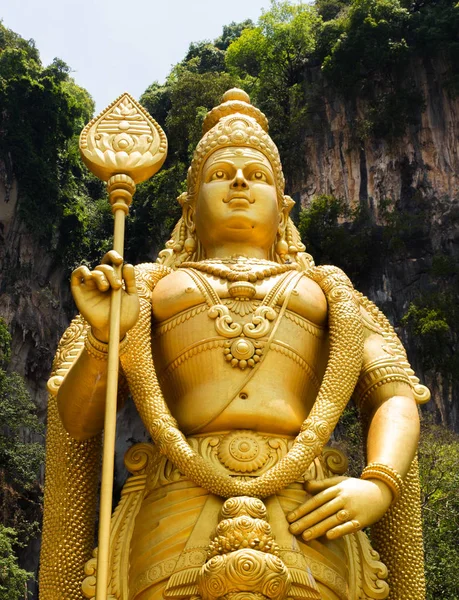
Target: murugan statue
240, 355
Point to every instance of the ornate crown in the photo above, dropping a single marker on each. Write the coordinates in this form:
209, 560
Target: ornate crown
235, 122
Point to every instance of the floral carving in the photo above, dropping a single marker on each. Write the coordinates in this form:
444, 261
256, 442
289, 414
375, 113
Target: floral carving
123, 139
243, 451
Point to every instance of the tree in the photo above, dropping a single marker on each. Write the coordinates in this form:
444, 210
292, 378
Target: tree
438, 461
20, 461
271, 60
203, 57
335, 234
43, 112
380, 70
232, 32
13, 579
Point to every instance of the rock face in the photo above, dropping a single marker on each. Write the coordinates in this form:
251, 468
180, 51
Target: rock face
422, 166
419, 171
426, 158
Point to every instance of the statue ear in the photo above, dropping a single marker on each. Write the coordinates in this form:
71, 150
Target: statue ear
283, 218
188, 217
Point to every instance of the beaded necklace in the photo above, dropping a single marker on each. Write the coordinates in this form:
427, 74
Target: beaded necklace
239, 272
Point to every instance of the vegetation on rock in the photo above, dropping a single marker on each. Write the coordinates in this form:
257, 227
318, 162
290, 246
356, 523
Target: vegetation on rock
43, 112
20, 462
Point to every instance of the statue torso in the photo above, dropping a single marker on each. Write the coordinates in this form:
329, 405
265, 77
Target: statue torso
204, 391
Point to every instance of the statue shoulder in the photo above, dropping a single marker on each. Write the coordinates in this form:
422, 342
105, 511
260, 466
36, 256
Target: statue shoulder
148, 275
310, 301
174, 293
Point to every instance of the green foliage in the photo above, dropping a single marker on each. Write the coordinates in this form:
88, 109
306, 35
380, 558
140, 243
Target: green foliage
20, 461
426, 321
380, 69
271, 60
406, 223
191, 95
154, 213
432, 321
432, 318
331, 9
438, 461
349, 439
434, 31
156, 99
231, 33
335, 234
13, 579
439, 475
5, 344
43, 112
385, 23
204, 57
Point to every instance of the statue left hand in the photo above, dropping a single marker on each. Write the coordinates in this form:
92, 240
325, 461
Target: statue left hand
340, 505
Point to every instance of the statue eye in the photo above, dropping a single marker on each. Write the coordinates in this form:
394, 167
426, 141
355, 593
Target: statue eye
218, 175
259, 176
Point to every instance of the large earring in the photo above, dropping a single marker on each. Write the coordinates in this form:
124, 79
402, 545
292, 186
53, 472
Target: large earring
178, 246
293, 239
281, 245
190, 242
190, 245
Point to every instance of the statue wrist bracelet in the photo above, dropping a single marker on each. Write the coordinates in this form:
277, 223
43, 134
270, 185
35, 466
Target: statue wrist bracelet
387, 474
98, 349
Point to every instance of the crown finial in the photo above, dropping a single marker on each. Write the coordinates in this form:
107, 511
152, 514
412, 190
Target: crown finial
236, 94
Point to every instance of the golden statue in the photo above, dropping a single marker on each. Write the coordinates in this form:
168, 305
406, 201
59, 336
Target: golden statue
240, 355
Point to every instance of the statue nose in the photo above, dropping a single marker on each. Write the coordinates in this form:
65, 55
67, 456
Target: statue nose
239, 180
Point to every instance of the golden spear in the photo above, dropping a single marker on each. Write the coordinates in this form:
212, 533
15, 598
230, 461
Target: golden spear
122, 146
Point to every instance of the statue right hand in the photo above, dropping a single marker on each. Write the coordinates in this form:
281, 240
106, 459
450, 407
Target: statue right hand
91, 291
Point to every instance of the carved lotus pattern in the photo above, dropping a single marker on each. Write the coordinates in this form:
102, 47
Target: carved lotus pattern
243, 451
123, 139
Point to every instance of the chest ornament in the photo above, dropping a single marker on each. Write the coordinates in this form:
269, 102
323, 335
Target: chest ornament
244, 346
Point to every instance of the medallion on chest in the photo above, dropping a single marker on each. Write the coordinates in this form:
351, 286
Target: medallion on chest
246, 342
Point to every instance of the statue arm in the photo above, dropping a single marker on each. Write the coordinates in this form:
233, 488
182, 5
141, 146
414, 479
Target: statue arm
81, 396
387, 403
342, 505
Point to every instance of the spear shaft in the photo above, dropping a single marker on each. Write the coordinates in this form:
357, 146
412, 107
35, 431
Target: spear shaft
121, 189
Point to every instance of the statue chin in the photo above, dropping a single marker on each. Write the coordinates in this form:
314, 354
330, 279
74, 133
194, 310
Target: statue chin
240, 366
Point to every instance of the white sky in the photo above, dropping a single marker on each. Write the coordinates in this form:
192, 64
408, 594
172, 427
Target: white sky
115, 46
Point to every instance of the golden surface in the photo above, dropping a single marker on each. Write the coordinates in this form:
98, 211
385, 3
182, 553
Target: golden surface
240, 363
123, 139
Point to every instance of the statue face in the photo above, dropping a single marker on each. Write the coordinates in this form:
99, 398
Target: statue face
237, 200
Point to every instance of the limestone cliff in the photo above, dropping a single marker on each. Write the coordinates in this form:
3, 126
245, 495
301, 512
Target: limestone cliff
425, 158
419, 170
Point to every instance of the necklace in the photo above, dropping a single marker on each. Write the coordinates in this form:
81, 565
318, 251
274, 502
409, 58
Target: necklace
239, 272
244, 346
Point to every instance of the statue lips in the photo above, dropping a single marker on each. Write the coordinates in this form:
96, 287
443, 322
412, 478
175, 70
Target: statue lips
239, 204
239, 200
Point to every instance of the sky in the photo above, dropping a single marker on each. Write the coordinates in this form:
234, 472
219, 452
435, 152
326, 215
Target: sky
116, 46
